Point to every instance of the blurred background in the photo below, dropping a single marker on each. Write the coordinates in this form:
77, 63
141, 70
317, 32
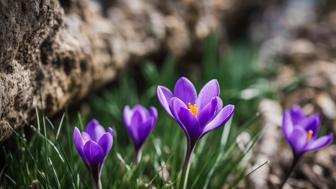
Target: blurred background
65, 62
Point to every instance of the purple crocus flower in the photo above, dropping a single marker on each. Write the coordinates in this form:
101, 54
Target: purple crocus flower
139, 123
93, 145
196, 114
301, 133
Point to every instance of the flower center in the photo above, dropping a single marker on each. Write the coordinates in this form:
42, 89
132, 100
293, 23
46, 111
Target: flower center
86, 138
310, 135
193, 109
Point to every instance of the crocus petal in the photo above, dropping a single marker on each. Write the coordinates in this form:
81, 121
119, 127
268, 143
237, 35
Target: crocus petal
297, 114
136, 119
135, 125
311, 123
145, 131
175, 105
209, 91
153, 113
221, 118
190, 123
133, 133
127, 115
93, 153
106, 142
185, 91
79, 143
208, 112
287, 125
219, 105
86, 137
319, 143
298, 140
95, 130
142, 110
111, 131
164, 96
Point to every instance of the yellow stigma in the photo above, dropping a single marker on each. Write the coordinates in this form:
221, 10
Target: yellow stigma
310, 135
193, 109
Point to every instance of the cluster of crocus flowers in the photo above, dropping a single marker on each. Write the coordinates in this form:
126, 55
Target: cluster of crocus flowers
93, 145
139, 123
196, 114
301, 133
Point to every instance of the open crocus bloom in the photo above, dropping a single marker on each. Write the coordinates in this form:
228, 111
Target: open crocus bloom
139, 123
301, 131
93, 144
196, 114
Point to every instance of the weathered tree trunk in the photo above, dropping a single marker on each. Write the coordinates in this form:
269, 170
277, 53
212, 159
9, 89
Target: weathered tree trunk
54, 52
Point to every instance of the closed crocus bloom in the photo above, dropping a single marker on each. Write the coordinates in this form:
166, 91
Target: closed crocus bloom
301, 133
196, 114
93, 145
139, 123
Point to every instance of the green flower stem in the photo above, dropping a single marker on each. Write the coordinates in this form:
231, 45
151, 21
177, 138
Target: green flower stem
96, 177
294, 163
186, 165
138, 155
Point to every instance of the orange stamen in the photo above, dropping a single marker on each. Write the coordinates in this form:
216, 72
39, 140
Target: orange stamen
310, 135
193, 109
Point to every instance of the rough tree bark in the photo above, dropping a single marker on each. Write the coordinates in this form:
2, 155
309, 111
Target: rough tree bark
54, 52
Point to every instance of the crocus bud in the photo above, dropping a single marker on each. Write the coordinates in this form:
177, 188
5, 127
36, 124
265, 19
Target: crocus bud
139, 123
93, 145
